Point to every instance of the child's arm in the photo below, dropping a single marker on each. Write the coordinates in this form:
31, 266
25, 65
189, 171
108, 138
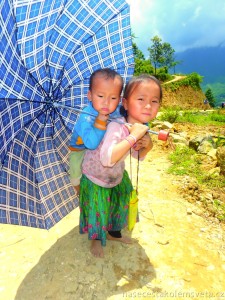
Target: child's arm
91, 130
144, 145
137, 131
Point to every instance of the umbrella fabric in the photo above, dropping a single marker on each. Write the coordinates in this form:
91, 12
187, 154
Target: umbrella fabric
48, 49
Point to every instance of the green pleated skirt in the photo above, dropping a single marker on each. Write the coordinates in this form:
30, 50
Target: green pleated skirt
103, 209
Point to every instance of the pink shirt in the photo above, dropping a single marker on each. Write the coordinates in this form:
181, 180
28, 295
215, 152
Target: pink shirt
97, 164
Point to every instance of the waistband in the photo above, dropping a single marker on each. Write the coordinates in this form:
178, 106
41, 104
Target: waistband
75, 149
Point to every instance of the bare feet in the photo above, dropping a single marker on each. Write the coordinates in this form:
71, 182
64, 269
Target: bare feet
124, 239
77, 189
96, 248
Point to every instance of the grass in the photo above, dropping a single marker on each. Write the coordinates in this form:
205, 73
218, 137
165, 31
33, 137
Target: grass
191, 165
193, 80
201, 118
186, 161
220, 207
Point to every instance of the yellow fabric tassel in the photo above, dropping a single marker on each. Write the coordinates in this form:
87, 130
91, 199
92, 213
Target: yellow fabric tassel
133, 210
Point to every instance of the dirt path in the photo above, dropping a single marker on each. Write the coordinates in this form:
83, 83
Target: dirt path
176, 78
176, 254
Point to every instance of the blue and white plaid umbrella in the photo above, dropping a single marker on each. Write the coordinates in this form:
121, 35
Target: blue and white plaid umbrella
48, 49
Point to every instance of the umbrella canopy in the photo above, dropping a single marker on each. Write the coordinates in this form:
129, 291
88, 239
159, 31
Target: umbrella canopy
48, 49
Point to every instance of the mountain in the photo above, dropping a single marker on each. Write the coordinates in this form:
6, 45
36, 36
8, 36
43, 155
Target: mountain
208, 62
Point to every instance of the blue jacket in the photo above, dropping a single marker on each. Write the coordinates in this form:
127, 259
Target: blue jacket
84, 134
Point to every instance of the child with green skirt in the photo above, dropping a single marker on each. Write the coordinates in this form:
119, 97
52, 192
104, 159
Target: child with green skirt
105, 185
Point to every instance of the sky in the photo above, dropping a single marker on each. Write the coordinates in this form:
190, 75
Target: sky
182, 23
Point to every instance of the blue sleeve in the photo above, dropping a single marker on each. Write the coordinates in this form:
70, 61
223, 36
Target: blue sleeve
90, 135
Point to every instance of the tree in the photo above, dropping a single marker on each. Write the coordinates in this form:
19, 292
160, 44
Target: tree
174, 64
161, 54
141, 64
138, 54
155, 52
168, 58
210, 97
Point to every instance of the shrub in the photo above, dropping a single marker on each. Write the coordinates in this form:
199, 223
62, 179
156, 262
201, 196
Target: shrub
193, 80
169, 114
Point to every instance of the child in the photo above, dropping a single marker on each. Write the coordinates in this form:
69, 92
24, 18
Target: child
105, 184
105, 88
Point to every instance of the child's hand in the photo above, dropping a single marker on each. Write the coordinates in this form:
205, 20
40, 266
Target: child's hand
144, 142
138, 130
102, 117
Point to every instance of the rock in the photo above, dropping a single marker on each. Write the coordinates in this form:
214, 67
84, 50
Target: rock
220, 154
203, 229
211, 268
156, 122
214, 172
198, 212
189, 211
202, 143
209, 196
180, 145
212, 154
163, 241
205, 147
167, 125
195, 142
123, 281
179, 139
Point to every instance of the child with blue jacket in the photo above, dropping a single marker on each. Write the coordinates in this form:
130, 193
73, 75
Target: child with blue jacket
105, 88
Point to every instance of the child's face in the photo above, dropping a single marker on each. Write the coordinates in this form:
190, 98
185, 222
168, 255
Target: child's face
143, 103
105, 94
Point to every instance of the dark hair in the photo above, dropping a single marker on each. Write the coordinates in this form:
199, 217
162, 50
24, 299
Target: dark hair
136, 80
133, 83
106, 73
